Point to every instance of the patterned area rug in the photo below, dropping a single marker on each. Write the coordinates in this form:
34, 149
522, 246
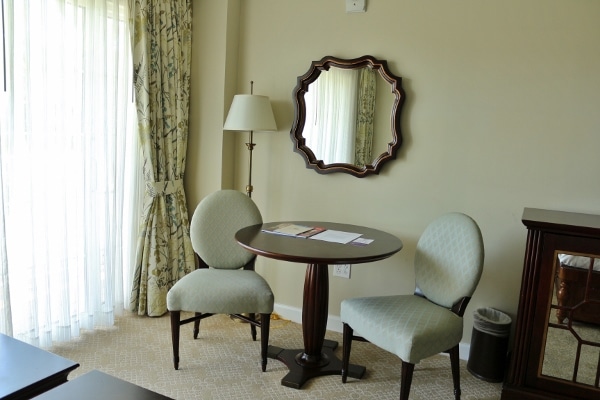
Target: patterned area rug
224, 363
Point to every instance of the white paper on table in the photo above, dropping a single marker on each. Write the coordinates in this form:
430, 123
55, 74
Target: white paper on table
336, 236
361, 242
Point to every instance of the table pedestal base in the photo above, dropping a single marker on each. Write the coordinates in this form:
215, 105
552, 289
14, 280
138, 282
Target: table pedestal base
300, 372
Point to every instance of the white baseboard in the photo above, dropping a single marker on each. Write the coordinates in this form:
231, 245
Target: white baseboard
334, 323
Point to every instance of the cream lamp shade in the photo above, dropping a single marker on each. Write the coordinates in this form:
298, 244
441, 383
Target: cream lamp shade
250, 112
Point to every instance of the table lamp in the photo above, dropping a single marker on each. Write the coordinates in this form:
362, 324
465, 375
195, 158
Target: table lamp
250, 112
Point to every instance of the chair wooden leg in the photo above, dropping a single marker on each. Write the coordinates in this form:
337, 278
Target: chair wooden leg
455, 364
175, 318
346, 347
406, 380
252, 326
265, 322
197, 325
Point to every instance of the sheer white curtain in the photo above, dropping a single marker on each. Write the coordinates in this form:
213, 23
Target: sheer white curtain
68, 217
331, 108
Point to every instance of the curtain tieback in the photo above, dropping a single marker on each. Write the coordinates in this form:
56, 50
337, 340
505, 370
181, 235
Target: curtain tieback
155, 189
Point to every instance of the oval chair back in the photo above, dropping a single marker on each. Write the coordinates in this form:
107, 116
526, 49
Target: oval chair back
449, 259
214, 223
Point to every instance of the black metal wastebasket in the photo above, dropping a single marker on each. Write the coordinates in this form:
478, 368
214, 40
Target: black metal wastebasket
489, 344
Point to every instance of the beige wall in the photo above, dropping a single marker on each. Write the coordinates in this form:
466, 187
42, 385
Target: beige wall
501, 114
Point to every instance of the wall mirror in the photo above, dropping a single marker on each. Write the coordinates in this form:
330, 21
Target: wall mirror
347, 115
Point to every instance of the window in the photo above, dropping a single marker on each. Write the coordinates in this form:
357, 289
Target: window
68, 183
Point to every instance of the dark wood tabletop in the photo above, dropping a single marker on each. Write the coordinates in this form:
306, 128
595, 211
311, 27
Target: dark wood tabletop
26, 370
317, 357
311, 251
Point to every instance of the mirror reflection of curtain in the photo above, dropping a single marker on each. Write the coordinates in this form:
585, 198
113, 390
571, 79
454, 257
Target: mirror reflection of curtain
367, 86
331, 110
161, 44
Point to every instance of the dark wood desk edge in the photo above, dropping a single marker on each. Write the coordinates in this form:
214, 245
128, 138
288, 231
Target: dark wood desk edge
94, 380
42, 386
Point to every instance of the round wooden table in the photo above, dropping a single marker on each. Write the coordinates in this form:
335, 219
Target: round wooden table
317, 358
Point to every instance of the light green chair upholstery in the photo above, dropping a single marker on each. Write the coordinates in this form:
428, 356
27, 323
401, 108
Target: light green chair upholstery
448, 264
226, 282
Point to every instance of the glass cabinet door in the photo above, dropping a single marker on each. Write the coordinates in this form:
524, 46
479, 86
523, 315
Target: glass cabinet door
572, 345
556, 349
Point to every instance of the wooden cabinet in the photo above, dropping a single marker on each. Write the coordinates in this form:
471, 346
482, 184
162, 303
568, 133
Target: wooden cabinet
556, 351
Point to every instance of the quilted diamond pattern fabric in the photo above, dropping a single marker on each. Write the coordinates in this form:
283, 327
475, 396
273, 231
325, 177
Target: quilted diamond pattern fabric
449, 259
215, 221
221, 292
448, 264
224, 288
409, 326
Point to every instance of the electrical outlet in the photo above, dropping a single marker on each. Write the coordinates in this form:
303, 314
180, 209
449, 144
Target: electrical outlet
342, 270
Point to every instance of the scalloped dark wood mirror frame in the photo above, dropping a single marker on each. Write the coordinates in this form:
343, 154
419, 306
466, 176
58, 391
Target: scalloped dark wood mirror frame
302, 87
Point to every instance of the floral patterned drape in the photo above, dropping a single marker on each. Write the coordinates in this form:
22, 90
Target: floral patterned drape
367, 86
161, 43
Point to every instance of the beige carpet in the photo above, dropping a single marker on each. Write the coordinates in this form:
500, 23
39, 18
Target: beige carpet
224, 363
